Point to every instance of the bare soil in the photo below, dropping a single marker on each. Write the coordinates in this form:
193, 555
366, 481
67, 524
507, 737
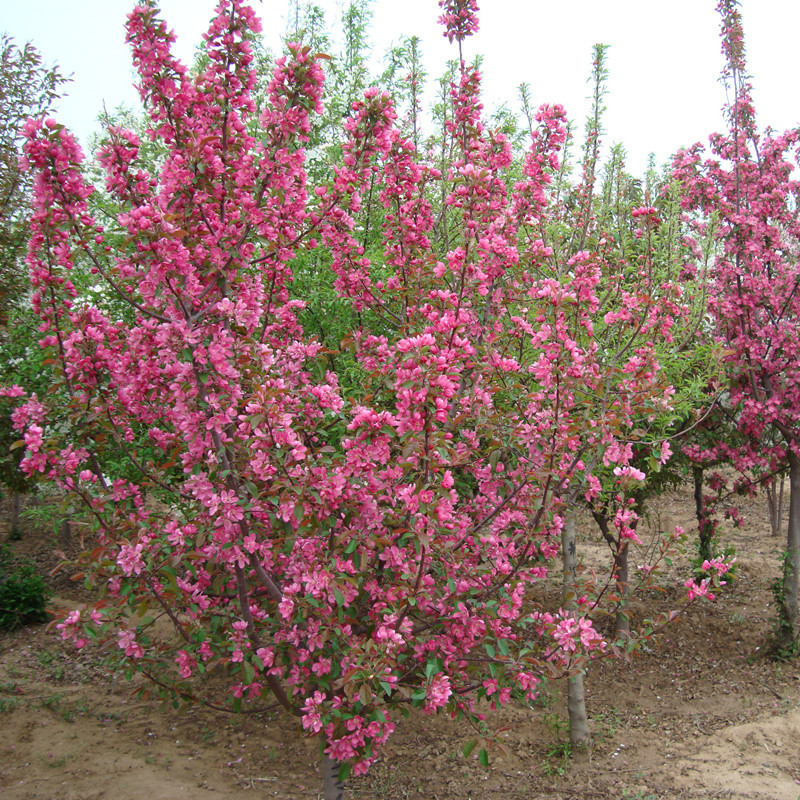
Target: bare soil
702, 714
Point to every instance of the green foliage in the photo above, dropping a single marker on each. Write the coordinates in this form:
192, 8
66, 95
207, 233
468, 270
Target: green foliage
23, 592
786, 645
27, 89
558, 759
638, 794
22, 363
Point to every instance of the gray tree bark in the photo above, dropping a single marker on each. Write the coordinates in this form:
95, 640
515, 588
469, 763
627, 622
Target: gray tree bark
576, 700
332, 787
789, 611
622, 620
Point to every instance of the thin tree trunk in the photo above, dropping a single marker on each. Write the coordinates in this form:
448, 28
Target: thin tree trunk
772, 506
576, 700
775, 504
332, 787
65, 536
16, 507
789, 612
622, 622
705, 526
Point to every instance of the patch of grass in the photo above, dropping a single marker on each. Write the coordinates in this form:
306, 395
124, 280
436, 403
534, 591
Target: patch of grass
208, 736
605, 724
8, 704
382, 783
53, 762
67, 711
50, 663
638, 794
51, 703
558, 758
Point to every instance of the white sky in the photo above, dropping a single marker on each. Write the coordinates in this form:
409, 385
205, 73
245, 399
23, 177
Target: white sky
664, 58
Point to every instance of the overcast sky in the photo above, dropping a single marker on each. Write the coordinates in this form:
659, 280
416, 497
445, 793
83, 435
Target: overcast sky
664, 58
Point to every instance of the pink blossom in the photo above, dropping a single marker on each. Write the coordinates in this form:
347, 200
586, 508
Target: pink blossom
130, 559
126, 640
186, 664
438, 692
629, 473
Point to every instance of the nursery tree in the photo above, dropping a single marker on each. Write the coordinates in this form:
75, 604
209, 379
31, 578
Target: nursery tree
348, 547
648, 306
747, 184
27, 88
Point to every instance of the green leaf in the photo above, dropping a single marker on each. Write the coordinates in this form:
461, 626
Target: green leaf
469, 747
432, 667
339, 598
483, 757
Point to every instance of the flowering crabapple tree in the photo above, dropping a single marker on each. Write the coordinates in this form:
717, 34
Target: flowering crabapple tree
347, 553
747, 183
646, 318
643, 319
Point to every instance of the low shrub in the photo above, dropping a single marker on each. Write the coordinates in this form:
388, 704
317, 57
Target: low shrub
23, 592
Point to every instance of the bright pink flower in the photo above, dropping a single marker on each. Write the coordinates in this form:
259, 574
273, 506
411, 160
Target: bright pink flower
438, 692
126, 641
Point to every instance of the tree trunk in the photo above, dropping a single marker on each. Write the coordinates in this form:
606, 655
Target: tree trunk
789, 611
775, 504
16, 507
576, 701
332, 787
705, 526
622, 622
65, 536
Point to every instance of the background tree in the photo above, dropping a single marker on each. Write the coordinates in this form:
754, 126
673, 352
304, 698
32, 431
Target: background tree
747, 184
27, 89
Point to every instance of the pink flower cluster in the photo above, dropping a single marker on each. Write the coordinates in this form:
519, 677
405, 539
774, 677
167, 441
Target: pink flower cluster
460, 18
